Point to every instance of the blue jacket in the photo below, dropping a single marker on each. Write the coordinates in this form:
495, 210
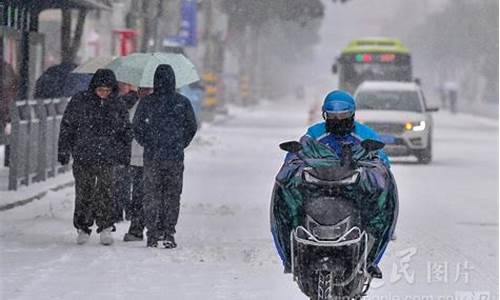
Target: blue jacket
361, 132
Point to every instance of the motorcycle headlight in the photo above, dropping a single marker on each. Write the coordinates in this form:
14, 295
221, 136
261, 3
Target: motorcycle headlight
331, 232
310, 179
415, 126
351, 179
344, 181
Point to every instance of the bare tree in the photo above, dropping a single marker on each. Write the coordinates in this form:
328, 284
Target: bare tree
71, 44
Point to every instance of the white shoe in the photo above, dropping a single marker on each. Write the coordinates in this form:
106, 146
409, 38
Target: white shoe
82, 237
106, 237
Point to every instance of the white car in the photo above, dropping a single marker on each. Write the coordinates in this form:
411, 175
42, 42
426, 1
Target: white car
398, 113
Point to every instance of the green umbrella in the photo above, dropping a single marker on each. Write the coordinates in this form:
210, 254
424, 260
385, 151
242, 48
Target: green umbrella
139, 68
91, 65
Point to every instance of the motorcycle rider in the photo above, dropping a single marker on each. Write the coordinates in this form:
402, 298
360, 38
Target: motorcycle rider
338, 128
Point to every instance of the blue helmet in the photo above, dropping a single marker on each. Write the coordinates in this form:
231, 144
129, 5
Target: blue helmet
338, 101
338, 111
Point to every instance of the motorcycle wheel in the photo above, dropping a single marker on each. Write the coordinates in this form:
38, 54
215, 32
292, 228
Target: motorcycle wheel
325, 283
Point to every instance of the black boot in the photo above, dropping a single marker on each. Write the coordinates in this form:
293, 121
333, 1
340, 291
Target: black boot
169, 242
130, 237
152, 243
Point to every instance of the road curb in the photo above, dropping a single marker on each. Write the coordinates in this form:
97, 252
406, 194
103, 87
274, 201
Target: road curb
36, 197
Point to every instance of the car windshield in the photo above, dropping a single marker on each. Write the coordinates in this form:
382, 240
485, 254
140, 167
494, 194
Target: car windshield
389, 100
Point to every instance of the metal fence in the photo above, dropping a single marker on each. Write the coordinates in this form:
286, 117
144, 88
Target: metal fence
33, 141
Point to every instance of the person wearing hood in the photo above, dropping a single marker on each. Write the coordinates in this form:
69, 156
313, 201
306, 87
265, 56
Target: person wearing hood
128, 94
96, 132
122, 178
136, 213
164, 124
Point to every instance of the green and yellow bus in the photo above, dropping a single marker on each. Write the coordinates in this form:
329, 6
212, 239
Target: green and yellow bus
377, 59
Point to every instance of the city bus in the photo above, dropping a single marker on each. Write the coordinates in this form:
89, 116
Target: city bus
379, 59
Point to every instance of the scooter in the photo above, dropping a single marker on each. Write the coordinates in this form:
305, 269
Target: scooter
329, 249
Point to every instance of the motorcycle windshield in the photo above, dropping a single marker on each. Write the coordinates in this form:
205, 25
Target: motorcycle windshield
315, 152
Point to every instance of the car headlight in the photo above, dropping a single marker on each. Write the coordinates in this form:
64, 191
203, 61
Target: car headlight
415, 126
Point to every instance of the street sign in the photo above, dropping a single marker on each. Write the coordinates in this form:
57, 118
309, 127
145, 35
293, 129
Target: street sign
187, 36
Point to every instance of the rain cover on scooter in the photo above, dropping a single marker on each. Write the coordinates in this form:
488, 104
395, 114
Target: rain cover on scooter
375, 193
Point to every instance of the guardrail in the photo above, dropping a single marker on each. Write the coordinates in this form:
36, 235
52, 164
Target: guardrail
33, 140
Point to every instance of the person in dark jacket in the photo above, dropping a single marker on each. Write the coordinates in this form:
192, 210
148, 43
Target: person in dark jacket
96, 132
128, 94
122, 176
164, 124
136, 229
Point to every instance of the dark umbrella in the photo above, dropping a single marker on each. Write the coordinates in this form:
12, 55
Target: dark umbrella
51, 82
75, 83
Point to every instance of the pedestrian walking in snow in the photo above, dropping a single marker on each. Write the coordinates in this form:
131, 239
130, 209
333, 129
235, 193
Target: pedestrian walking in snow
122, 174
96, 132
451, 88
164, 125
136, 213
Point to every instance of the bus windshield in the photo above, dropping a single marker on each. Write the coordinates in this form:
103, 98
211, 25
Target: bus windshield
389, 100
353, 74
379, 71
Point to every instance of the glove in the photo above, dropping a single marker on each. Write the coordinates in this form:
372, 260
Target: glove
63, 159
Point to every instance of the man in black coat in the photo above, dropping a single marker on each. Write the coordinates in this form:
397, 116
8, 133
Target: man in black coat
164, 125
96, 132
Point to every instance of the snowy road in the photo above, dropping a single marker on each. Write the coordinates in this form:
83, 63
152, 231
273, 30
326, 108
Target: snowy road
447, 245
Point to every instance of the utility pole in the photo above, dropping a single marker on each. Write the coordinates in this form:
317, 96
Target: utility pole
157, 36
69, 44
146, 25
